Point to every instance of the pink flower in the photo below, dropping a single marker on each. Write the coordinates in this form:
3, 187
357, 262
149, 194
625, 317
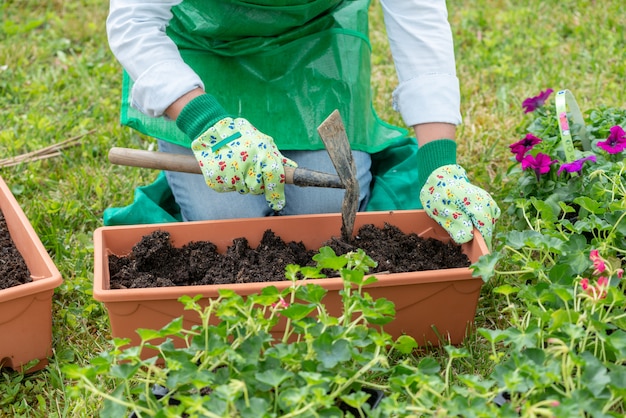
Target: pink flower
540, 163
281, 304
521, 147
601, 287
584, 283
620, 273
616, 142
533, 103
603, 282
599, 263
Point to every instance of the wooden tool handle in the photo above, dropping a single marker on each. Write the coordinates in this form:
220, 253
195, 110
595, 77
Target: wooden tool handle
188, 164
157, 160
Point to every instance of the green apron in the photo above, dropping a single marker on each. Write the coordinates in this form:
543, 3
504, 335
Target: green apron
285, 66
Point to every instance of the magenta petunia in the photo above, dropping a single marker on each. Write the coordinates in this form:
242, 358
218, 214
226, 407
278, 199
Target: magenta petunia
533, 103
616, 142
521, 147
576, 166
540, 163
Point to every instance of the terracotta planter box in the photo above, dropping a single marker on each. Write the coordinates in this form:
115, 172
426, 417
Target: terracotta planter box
444, 300
26, 310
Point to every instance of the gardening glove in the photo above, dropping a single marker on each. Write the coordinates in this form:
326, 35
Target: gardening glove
233, 154
449, 198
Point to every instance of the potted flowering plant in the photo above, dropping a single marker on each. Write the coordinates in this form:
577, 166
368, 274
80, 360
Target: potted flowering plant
26, 309
562, 259
569, 168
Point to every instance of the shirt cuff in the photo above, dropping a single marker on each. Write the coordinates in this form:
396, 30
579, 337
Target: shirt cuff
429, 98
161, 85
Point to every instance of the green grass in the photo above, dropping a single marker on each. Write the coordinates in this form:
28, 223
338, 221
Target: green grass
58, 79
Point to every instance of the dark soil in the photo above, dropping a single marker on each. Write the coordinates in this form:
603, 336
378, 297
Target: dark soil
154, 262
13, 269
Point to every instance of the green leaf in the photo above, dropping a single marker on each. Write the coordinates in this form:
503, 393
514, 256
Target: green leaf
330, 351
405, 344
617, 341
485, 267
326, 258
312, 293
124, 371
590, 205
595, 374
522, 339
148, 334
382, 312
518, 239
545, 211
273, 377
492, 335
429, 365
506, 290
560, 317
353, 276
617, 373
254, 407
355, 399
476, 383
297, 311
112, 409
456, 352
564, 294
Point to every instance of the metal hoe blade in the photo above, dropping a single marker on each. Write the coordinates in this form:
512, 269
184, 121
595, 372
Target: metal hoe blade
333, 133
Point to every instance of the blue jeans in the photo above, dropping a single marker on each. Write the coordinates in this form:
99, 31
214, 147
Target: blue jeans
198, 201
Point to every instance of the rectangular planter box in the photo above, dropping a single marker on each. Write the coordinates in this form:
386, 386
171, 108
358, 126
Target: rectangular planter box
441, 300
26, 310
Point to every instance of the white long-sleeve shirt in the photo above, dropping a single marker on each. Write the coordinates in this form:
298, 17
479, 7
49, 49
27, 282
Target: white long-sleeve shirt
419, 37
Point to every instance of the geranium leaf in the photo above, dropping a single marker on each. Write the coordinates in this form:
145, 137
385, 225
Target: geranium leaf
311, 293
429, 365
617, 340
273, 377
590, 205
112, 409
405, 344
522, 338
297, 311
560, 317
326, 258
485, 267
330, 351
506, 290
492, 335
595, 374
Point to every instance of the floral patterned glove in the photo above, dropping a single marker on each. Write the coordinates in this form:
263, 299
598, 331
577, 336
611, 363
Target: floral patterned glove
235, 156
458, 206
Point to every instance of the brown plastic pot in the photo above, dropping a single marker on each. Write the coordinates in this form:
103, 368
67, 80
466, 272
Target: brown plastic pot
430, 305
26, 310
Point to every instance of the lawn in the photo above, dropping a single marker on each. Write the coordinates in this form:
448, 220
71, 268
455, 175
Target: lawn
59, 80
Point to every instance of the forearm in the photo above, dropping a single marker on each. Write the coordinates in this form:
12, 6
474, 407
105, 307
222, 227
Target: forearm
428, 132
174, 109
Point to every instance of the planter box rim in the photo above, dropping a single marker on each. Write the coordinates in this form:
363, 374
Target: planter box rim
40, 282
102, 292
